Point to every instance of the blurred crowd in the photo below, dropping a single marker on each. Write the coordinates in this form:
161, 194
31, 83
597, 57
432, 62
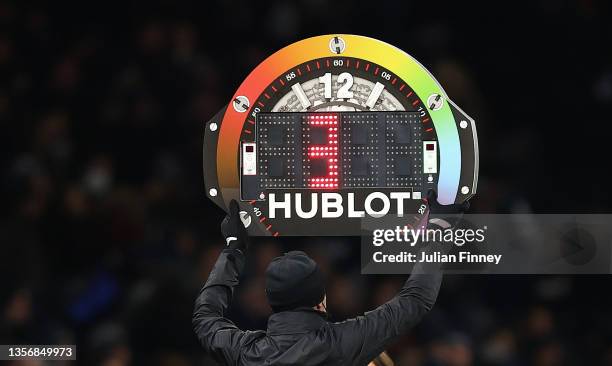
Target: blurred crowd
106, 234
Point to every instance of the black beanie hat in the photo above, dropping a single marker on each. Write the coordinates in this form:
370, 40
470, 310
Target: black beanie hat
294, 280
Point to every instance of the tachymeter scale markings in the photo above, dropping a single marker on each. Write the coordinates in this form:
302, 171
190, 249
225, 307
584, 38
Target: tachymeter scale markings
316, 68
292, 82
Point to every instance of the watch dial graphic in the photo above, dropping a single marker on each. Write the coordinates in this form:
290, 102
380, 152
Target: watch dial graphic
332, 130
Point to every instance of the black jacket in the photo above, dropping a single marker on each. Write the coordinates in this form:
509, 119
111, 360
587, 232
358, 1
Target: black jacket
304, 336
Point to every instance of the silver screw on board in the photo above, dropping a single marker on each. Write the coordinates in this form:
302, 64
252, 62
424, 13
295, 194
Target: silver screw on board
212, 192
465, 190
463, 124
435, 101
241, 104
213, 126
337, 45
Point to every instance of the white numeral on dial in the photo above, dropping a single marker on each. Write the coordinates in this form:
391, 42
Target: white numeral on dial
326, 81
344, 92
346, 80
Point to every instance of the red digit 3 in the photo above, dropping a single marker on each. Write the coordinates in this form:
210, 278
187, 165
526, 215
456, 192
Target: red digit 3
328, 151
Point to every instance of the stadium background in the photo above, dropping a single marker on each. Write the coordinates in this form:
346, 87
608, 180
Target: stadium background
106, 234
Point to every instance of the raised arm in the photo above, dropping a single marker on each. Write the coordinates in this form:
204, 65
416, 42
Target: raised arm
361, 339
217, 334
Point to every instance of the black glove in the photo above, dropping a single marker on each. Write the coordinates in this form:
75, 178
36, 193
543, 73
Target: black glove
445, 215
233, 230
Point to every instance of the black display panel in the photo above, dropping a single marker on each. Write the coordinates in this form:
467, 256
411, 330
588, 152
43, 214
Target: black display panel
331, 151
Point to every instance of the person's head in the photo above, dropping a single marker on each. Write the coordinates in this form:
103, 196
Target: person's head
293, 281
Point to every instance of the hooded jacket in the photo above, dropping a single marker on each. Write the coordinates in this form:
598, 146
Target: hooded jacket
303, 336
